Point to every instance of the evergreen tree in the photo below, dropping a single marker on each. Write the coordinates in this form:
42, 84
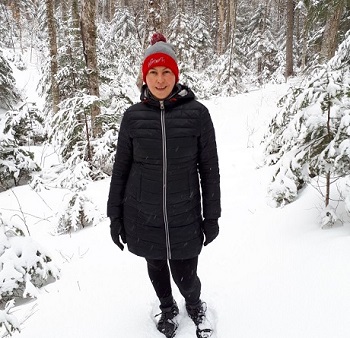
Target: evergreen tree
16, 164
71, 75
310, 136
9, 95
190, 36
26, 125
260, 44
119, 54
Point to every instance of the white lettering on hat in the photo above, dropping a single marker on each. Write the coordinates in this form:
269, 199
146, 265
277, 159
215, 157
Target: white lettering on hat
153, 62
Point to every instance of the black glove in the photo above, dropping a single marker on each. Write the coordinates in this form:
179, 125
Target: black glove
210, 229
117, 232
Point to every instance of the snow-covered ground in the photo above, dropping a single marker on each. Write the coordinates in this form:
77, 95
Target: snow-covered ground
271, 272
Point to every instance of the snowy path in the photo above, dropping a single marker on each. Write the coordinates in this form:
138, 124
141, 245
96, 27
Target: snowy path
271, 273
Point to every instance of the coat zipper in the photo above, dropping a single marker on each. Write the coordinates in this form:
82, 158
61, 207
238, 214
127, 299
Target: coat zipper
165, 163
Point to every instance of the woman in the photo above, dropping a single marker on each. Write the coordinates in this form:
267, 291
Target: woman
165, 181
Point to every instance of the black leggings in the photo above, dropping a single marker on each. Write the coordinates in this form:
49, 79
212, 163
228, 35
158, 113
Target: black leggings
184, 273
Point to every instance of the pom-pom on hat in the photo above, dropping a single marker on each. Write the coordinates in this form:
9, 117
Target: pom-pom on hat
160, 53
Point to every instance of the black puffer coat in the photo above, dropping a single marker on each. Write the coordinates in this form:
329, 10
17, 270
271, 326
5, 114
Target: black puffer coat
166, 150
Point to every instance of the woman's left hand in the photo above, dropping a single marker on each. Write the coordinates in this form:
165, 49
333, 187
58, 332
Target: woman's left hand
211, 230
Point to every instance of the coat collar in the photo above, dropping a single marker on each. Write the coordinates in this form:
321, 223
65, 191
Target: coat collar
180, 94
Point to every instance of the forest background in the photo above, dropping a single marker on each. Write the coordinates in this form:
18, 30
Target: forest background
89, 54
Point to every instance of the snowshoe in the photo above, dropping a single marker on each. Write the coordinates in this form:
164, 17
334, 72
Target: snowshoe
197, 314
167, 323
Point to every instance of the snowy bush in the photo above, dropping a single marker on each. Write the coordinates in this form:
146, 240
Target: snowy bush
78, 211
25, 265
328, 217
283, 188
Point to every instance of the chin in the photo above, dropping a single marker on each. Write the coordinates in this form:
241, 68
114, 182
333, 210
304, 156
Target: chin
161, 96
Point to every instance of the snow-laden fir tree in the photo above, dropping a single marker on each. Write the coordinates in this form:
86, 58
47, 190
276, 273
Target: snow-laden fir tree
260, 43
26, 124
119, 56
310, 136
190, 36
207, 73
84, 158
17, 164
9, 94
70, 132
71, 76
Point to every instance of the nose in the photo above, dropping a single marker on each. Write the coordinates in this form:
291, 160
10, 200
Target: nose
160, 78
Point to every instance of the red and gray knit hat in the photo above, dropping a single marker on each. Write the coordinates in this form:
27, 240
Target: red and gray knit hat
160, 53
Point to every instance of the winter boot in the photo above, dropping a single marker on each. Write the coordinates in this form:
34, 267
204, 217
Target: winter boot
167, 323
197, 314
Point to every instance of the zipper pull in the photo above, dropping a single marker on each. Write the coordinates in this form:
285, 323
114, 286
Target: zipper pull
161, 105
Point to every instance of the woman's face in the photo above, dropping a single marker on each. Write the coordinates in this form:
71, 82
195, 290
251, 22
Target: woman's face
160, 81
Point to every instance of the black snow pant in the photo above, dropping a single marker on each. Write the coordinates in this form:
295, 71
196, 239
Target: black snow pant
184, 273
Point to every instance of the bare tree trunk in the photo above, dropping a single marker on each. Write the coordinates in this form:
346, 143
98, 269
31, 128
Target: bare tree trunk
221, 23
233, 17
329, 41
16, 14
227, 21
280, 14
304, 48
167, 15
9, 27
329, 136
260, 60
328, 188
55, 95
182, 6
76, 22
110, 10
289, 38
88, 30
64, 13
75, 42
